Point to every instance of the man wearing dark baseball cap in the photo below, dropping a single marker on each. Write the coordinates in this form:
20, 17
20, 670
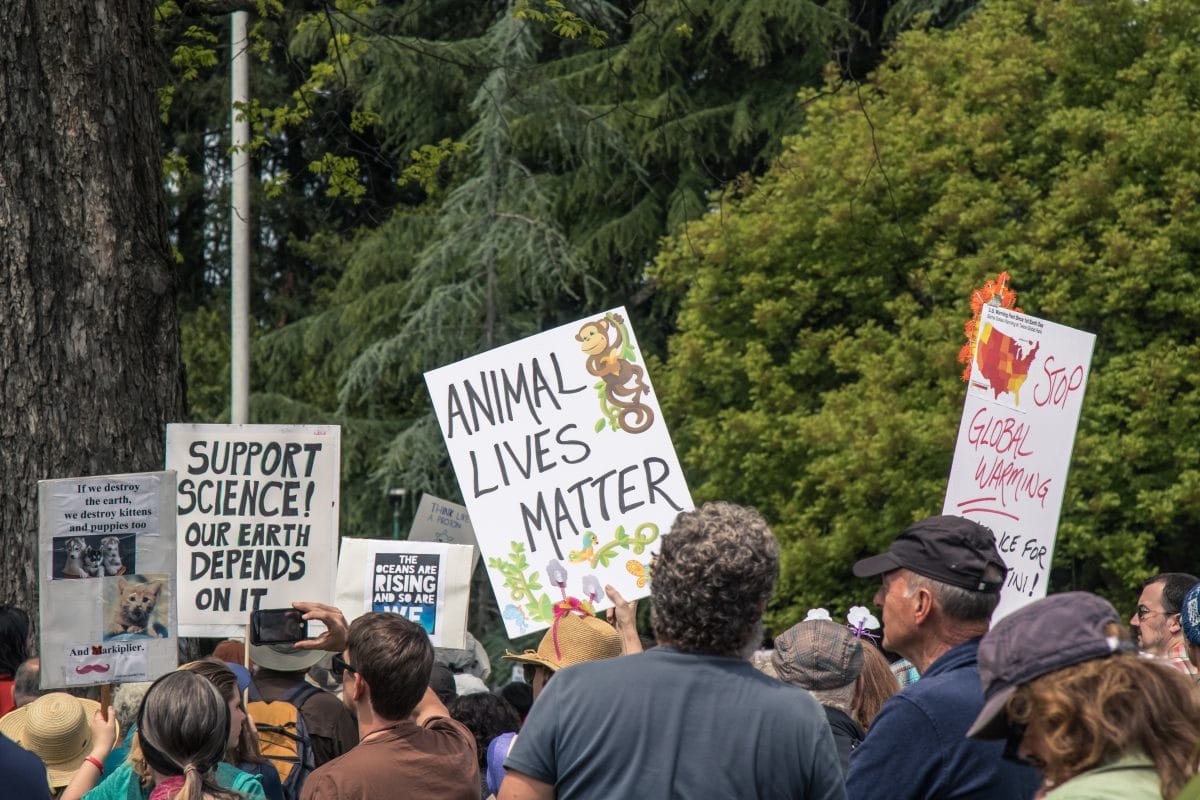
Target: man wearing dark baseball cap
941, 581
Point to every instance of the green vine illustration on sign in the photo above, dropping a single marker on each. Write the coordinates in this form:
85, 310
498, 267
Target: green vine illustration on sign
594, 553
524, 588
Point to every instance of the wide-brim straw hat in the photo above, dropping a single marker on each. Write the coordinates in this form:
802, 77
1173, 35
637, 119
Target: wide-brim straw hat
573, 639
57, 728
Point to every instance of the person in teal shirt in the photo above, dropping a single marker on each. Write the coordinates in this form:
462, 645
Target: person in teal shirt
183, 731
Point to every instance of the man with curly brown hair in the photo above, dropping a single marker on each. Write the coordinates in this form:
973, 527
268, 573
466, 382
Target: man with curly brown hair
691, 717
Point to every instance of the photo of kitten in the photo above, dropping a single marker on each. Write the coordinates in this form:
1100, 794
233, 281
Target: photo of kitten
135, 607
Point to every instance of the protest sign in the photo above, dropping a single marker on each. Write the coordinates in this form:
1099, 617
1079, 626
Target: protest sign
565, 464
439, 520
106, 572
1014, 442
258, 520
426, 582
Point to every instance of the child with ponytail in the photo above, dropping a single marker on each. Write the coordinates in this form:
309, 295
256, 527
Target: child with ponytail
182, 736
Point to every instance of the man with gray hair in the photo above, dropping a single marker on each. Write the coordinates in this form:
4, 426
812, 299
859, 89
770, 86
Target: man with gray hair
691, 717
941, 583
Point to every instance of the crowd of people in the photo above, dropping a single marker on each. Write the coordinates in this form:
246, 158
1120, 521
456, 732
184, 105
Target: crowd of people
1057, 700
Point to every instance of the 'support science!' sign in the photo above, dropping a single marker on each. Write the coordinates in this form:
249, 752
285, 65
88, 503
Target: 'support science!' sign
424, 582
1014, 442
565, 464
106, 569
258, 520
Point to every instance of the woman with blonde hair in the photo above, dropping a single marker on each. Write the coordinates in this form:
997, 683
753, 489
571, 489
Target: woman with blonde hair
182, 736
1064, 686
876, 684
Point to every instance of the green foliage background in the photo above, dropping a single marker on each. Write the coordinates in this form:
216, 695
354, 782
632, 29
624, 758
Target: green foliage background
814, 370
795, 234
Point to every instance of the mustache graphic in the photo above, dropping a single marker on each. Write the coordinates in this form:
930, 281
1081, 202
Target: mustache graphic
86, 668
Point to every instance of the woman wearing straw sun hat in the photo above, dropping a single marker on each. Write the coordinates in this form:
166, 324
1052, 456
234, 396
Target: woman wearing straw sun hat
575, 637
57, 728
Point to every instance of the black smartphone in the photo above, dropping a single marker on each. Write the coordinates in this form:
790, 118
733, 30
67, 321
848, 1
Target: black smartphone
277, 626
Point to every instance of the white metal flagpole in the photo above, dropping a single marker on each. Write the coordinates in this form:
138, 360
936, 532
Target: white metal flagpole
239, 244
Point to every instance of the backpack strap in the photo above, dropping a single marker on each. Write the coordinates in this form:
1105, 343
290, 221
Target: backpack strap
298, 695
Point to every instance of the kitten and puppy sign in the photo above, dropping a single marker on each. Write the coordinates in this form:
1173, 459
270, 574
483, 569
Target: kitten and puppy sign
106, 554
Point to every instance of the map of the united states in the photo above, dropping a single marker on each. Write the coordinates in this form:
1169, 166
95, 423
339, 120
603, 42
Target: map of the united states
1002, 363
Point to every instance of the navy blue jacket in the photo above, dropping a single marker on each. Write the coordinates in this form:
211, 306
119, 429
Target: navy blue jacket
917, 748
23, 773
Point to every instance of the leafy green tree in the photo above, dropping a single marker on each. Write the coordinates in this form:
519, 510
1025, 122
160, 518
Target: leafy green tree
496, 168
813, 373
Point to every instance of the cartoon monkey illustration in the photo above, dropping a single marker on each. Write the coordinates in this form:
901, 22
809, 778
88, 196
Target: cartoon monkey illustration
624, 386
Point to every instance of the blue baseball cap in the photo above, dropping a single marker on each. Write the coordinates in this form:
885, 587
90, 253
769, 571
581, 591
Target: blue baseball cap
242, 674
1189, 615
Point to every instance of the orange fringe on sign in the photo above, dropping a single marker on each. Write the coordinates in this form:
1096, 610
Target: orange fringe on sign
993, 292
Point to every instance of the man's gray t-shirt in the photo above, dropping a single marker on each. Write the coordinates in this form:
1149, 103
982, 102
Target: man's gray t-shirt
667, 724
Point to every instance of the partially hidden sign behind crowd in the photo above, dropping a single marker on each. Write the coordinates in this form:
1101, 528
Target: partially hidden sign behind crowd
258, 520
565, 465
106, 573
1025, 393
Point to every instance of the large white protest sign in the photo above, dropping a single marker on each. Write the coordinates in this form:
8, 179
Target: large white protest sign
439, 520
1014, 442
565, 464
258, 520
106, 572
426, 582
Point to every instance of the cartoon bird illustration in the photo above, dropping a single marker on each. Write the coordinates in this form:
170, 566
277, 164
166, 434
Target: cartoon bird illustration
587, 553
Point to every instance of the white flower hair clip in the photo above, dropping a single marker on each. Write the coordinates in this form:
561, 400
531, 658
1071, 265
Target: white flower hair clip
861, 622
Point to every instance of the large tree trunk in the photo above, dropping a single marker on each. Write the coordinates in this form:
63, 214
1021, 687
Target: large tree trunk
89, 341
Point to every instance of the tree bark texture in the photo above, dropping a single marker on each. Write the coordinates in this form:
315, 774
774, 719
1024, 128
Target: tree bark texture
89, 341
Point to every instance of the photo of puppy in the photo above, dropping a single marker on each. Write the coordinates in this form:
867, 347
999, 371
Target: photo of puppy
92, 562
93, 556
110, 549
74, 548
135, 606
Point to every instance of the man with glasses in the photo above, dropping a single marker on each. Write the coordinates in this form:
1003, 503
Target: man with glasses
408, 746
1156, 623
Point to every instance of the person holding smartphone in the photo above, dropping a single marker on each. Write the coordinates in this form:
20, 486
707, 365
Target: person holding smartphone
407, 740
279, 673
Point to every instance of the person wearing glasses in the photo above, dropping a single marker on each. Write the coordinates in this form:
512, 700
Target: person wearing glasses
1157, 627
1067, 693
408, 746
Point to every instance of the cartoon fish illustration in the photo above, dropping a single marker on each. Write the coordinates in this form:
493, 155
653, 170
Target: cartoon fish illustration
586, 554
513, 614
